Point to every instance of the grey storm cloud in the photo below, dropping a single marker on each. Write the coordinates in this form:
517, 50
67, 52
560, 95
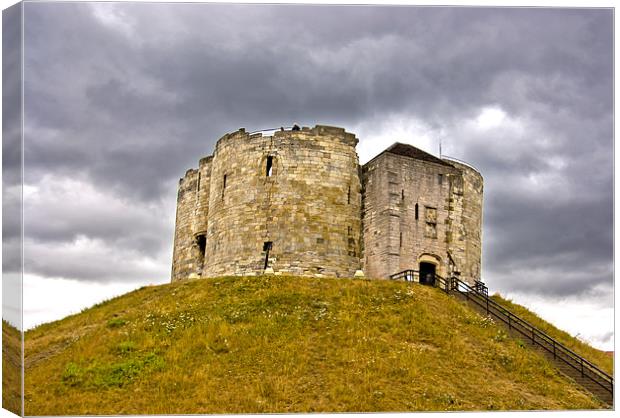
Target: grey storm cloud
124, 97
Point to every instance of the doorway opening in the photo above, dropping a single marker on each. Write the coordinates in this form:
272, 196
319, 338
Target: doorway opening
201, 243
427, 274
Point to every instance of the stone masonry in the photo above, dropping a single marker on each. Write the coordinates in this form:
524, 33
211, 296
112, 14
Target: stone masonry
299, 203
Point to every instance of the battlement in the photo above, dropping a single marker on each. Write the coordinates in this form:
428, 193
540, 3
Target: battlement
298, 133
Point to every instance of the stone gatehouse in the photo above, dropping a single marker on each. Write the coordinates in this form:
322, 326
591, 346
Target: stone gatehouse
298, 202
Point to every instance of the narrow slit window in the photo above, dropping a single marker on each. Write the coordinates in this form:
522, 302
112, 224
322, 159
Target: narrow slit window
402, 194
400, 242
416, 211
269, 166
349, 196
266, 248
224, 185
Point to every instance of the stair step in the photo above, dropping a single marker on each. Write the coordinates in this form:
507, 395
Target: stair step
585, 382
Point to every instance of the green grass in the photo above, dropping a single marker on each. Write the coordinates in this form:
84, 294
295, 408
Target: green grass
285, 344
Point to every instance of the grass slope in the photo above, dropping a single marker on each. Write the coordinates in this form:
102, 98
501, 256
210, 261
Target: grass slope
600, 358
11, 368
285, 344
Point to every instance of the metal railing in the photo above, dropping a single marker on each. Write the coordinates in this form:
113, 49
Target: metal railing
478, 294
407, 275
447, 157
414, 276
272, 129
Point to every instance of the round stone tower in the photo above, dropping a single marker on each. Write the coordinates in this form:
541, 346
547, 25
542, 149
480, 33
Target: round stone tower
467, 244
290, 202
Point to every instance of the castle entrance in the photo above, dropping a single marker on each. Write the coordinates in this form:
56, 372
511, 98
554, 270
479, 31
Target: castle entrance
427, 274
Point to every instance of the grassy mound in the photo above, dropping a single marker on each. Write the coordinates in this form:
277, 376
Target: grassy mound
285, 344
11, 368
598, 357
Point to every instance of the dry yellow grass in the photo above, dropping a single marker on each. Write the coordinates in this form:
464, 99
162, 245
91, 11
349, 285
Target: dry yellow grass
11, 368
598, 357
285, 344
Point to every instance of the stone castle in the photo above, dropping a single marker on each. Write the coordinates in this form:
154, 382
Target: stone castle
299, 203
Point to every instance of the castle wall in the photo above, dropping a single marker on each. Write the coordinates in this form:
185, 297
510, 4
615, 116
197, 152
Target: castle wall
184, 260
375, 224
293, 202
467, 239
308, 208
203, 186
394, 239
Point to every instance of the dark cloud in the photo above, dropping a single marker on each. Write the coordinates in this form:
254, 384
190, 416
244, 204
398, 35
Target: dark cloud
11, 166
123, 98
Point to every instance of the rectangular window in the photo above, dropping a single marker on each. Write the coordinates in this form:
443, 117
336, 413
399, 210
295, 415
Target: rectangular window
416, 211
440, 179
269, 166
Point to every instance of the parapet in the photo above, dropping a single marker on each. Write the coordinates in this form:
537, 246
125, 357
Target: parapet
205, 160
337, 133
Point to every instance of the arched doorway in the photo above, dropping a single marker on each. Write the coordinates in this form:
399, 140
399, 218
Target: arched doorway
427, 273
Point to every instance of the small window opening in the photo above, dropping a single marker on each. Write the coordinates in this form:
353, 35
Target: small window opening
402, 194
198, 186
266, 248
416, 211
224, 186
349, 196
400, 243
269, 167
349, 230
440, 178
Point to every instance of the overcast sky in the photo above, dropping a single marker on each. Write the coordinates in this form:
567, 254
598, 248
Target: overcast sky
121, 99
